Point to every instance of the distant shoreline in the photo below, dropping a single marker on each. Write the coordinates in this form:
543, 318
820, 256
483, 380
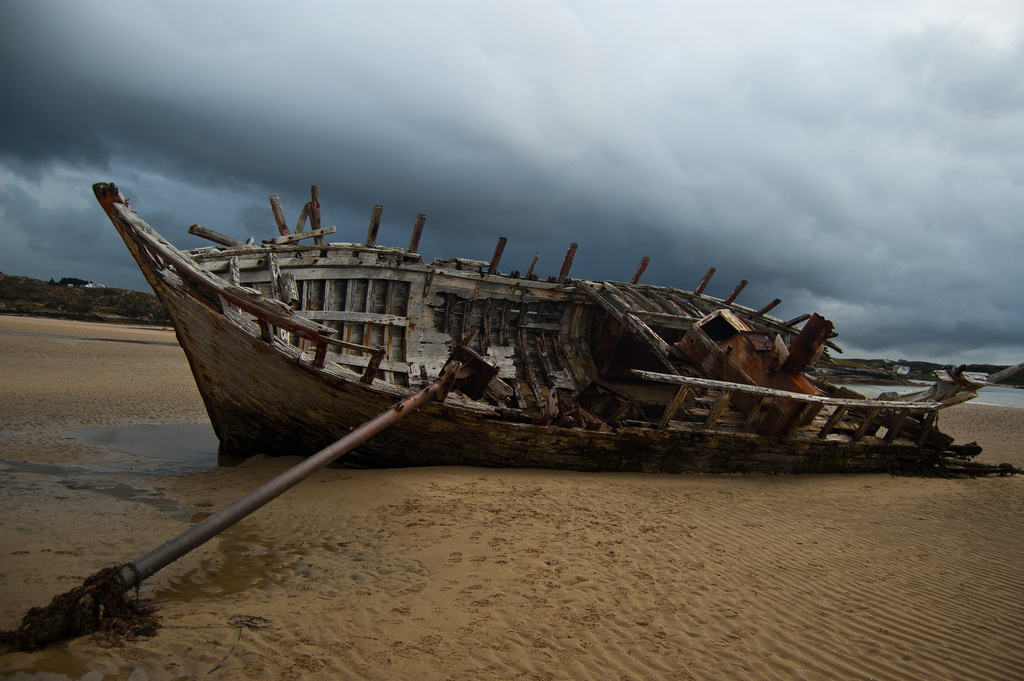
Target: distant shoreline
99, 319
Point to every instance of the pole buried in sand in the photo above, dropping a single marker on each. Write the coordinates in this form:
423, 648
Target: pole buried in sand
133, 573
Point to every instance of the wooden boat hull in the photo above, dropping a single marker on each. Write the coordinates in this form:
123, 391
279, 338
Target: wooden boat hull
260, 400
264, 395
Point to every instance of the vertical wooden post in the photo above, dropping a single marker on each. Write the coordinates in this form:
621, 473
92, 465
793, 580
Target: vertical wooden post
704, 282
866, 423
303, 216
673, 406
804, 416
756, 417
736, 291
716, 411
314, 213
417, 231
371, 232
275, 206
529, 270
836, 416
372, 365
640, 269
496, 258
275, 275
320, 359
797, 320
289, 290
927, 425
897, 425
768, 308
563, 274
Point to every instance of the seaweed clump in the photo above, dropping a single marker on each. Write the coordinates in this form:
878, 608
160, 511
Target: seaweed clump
101, 606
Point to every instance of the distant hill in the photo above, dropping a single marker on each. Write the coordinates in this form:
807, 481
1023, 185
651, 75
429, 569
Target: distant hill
883, 371
78, 299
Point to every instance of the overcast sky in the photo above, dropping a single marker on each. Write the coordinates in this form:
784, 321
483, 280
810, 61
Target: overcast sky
861, 159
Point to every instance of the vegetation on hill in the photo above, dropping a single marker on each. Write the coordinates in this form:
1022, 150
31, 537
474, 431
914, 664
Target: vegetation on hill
81, 299
919, 371
78, 299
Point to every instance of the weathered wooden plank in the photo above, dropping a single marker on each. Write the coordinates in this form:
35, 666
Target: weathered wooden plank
1004, 373
506, 306
736, 292
275, 207
524, 363
768, 308
869, 419
671, 321
704, 282
641, 268
417, 232
686, 306
357, 317
266, 330
289, 291
371, 231
927, 426
797, 320
758, 390
673, 406
636, 299
758, 413
372, 365
314, 214
303, 216
492, 268
833, 420
563, 274
367, 305
275, 274
545, 361
804, 416
298, 236
529, 270
358, 362
614, 296
486, 323
214, 236
894, 428
664, 305
341, 271
716, 411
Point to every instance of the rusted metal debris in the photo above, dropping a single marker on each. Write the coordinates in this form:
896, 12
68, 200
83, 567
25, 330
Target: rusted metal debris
293, 343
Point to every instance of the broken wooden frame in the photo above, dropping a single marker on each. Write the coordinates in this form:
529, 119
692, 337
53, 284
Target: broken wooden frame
211, 290
841, 406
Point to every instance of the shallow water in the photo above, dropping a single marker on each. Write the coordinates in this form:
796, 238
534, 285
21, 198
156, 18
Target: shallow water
169, 449
95, 480
997, 395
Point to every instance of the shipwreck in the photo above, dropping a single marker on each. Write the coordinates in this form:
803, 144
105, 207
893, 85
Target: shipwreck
295, 341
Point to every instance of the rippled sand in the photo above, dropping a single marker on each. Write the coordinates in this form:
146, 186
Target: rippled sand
461, 573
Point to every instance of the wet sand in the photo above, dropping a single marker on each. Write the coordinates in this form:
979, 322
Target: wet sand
462, 573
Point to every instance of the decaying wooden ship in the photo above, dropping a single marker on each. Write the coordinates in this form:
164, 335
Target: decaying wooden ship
295, 341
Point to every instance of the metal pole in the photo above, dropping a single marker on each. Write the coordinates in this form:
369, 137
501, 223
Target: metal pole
133, 573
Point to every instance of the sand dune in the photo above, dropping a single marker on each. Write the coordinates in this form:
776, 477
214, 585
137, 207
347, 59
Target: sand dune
461, 573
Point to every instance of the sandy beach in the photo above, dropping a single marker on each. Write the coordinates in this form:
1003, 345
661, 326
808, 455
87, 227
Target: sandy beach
464, 573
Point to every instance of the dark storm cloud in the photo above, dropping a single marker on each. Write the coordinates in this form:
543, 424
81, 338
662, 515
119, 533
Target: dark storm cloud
865, 162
